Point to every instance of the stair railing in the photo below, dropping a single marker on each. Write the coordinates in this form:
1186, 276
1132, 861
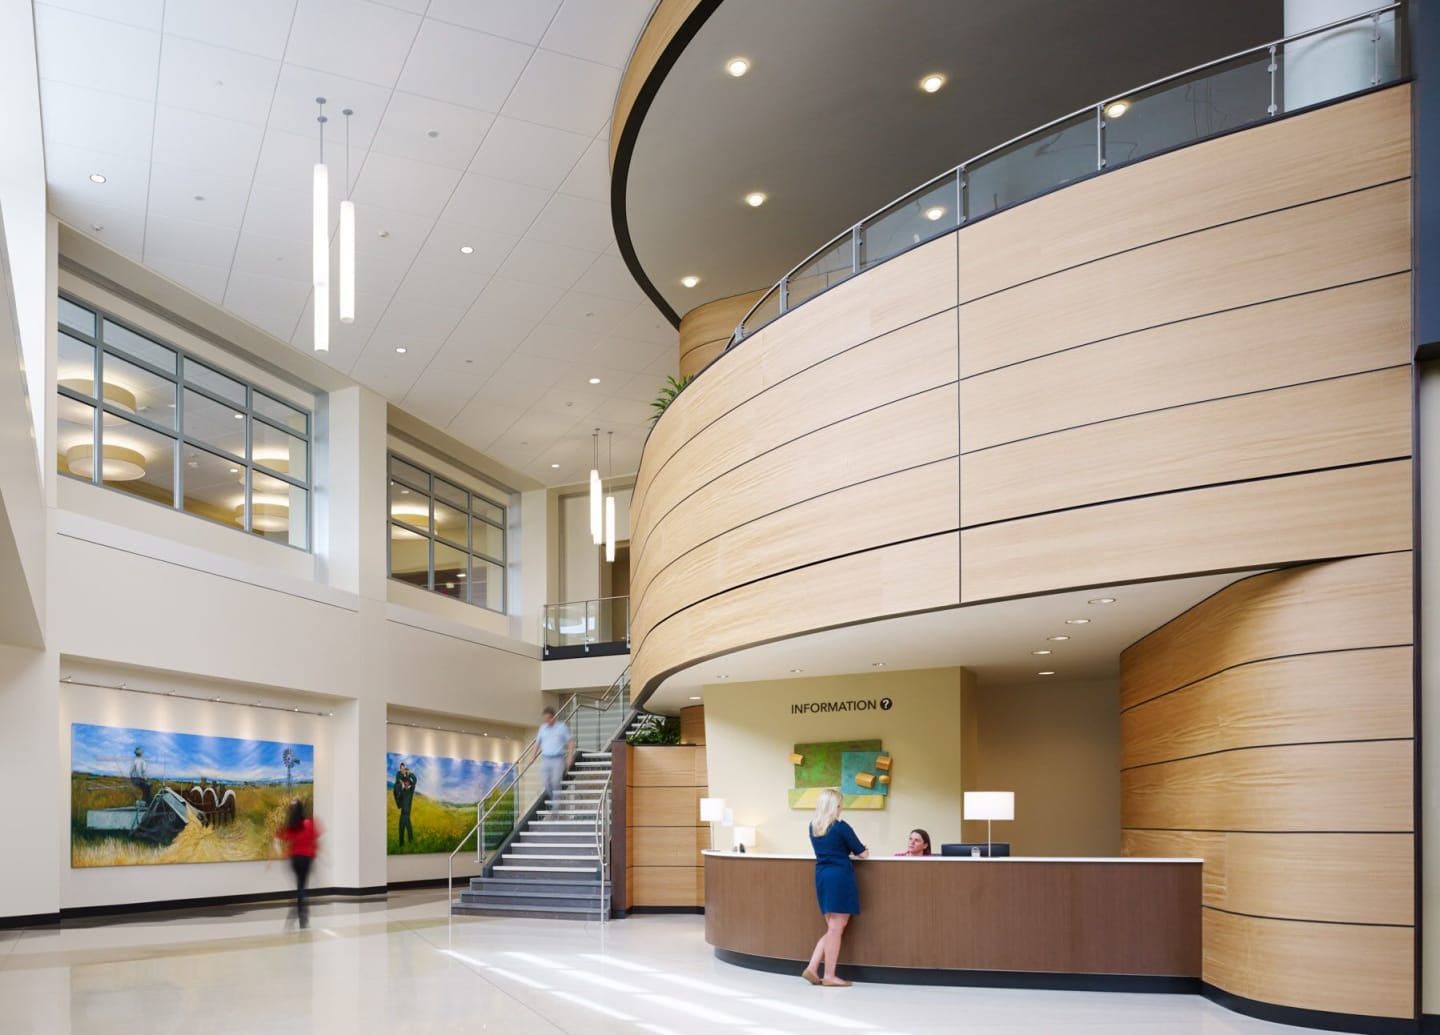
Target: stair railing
602, 845
615, 700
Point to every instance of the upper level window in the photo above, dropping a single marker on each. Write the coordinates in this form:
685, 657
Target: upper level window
445, 538
172, 429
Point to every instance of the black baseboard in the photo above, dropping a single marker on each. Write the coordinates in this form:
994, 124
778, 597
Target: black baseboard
665, 911
210, 902
1430, 1024
977, 978
430, 882
30, 920
1359, 1024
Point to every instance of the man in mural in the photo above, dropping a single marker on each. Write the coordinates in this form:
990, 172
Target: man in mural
137, 775
404, 797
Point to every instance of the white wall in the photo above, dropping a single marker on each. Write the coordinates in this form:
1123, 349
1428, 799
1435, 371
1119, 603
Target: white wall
580, 557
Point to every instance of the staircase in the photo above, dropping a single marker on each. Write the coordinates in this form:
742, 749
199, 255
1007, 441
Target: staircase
552, 868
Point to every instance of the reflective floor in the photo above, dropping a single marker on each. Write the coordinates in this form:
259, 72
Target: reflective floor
401, 966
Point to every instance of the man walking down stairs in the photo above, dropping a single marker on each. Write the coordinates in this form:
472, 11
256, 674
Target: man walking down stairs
553, 866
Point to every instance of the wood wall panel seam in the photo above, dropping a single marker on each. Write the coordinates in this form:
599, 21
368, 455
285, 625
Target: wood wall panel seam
1263, 747
1306, 920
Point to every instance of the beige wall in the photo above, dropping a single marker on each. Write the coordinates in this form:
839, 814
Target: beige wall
750, 733
1057, 747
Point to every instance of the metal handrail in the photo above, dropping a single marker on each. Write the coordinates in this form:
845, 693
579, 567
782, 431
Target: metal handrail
602, 843
516, 770
852, 231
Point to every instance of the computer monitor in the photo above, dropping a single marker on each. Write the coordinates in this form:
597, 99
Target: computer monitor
993, 849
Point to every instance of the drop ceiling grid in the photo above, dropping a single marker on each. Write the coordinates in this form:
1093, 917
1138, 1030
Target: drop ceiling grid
223, 99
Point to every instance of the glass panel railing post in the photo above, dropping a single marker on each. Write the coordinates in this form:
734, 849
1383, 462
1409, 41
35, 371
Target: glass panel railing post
960, 214
1271, 69
591, 619
1375, 47
1099, 136
855, 232
784, 294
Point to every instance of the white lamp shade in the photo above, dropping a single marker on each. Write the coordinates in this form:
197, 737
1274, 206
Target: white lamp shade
347, 262
610, 529
745, 836
712, 810
320, 256
990, 805
597, 520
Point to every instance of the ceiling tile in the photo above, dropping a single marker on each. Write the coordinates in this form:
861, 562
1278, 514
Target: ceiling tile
524, 376
205, 143
416, 325
173, 190
347, 340
541, 263
181, 240
439, 395
609, 276
98, 121
405, 186
462, 356
279, 214
595, 315
444, 284
217, 81
577, 222
527, 153
351, 38
96, 53
294, 109
641, 388
410, 119
525, 22
624, 411
519, 301
646, 323
598, 30
286, 258
499, 205
121, 228
487, 341
448, 237
459, 65
386, 371
563, 92
68, 170
482, 421
591, 176
569, 400
206, 281
142, 14
255, 27
268, 302
556, 343
287, 161
629, 354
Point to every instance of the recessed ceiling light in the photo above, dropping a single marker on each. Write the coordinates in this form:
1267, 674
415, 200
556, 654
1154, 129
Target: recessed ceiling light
1057, 639
722, 677
755, 198
1040, 652
934, 212
797, 670
1047, 672
694, 698
737, 66
1077, 621
1115, 109
877, 664
594, 380
234, 470
1102, 600
690, 281
401, 349
553, 466
932, 82
239, 416
466, 249
96, 178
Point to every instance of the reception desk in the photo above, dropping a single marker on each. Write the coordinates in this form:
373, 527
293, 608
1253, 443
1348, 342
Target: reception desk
1128, 923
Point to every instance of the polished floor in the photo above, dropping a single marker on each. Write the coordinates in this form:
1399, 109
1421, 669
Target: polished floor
402, 966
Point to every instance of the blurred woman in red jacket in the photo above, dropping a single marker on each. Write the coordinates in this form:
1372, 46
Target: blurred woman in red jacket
301, 836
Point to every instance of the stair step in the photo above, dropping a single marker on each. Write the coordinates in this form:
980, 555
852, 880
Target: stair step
529, 885
540, 896
532, 832
510, 868
567, 812
551, 913
522, 857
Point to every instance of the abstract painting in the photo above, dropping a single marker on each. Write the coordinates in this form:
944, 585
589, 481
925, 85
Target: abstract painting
839, 764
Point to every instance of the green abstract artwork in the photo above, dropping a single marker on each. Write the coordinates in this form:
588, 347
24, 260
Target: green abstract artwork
836, 764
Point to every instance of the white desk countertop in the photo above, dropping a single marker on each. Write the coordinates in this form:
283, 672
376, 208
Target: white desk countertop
967, 858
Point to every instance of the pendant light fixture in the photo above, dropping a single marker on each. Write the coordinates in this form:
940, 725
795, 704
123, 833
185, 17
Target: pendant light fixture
610, 503
597, 526
347, 237
320, 242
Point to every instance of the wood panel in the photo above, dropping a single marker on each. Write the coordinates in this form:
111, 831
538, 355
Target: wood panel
676, 886
954, 914
665, 806
916, 430
1315, 246
1343, 605
922, 575
1250, 524
701, 356
1333, 423
919, 502
913, 359
894, 294
1362, 786
1331, 878
706, 329
664, 766
668, 846
665, 22
1339, 331
692, 729
1342, 968
1306, 698
1334, 150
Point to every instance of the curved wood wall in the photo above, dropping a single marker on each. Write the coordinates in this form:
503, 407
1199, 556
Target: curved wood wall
1197, 363
706, 329
666, 22
1269, 730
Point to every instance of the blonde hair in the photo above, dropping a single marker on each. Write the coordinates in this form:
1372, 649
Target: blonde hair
827, 808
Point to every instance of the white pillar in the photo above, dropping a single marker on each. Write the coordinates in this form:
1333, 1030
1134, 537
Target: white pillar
1332, 64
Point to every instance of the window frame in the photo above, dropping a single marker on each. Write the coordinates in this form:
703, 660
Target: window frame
177, 379
432, 534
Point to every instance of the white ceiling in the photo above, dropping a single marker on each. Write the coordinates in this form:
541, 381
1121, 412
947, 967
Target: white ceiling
216, 99
993, 640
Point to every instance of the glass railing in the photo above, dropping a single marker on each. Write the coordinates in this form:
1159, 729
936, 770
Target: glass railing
581, 623
1299, 71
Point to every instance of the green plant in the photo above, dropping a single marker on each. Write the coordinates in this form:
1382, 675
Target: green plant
654, 729
668, 391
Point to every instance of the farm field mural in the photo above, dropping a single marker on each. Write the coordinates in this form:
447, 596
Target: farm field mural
144, 797
430, 803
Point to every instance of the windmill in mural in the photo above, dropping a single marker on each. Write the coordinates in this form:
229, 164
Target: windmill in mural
289, 760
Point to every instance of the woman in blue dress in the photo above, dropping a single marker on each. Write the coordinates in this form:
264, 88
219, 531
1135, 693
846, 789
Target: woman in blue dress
835, 845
